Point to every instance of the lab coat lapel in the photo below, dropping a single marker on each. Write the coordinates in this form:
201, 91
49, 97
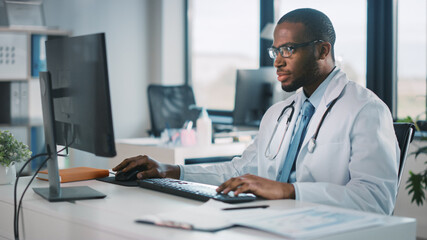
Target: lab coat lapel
334, 89
287, 140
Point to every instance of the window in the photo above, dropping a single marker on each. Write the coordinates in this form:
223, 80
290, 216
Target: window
223, 37
349, 19
411, 58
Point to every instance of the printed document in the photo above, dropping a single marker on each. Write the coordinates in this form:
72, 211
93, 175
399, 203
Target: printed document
300, 223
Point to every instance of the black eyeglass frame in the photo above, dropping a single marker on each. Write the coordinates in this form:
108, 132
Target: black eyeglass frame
272, 51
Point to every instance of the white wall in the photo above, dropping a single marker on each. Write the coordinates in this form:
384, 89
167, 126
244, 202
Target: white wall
145, 44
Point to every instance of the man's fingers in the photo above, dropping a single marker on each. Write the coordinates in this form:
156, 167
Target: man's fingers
151, 173
123, 164
244, 188
130, 166
259, 186
232, 184
130, 163
225, 185
222, 186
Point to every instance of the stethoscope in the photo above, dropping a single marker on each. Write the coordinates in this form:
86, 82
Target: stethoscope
267, 150
311, 143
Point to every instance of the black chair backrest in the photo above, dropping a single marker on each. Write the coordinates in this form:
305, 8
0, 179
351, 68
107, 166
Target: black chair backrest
169, 107
405, 135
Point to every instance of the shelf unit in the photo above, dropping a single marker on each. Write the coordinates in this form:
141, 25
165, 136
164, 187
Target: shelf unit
21, 111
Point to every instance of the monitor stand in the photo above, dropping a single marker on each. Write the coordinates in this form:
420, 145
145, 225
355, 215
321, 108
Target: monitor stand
69, 194
54, 193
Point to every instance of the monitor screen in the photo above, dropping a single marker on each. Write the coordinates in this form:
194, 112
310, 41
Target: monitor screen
256, 91
76, 107
81, 95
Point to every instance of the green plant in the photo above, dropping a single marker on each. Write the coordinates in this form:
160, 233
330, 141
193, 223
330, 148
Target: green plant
11, 150
417, 182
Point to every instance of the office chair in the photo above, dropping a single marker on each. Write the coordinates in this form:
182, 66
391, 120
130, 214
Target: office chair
405, 135
169, 107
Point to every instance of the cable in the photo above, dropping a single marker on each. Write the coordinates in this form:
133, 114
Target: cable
22, 196
16, 231
17, 209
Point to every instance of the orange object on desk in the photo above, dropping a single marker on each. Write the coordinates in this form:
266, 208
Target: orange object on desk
76, 174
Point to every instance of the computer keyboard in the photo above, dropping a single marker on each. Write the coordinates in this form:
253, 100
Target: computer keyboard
197, 191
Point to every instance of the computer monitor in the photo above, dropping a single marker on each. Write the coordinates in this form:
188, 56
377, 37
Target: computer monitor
76, 107
256, 91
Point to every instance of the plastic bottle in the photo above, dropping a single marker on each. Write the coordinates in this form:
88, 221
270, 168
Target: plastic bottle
204, 129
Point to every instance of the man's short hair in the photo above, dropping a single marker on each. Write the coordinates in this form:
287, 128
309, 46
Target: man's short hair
318, 25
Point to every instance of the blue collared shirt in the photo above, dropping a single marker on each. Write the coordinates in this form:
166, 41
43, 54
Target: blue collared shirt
315, 101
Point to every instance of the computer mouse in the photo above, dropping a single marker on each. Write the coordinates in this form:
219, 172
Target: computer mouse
127, 176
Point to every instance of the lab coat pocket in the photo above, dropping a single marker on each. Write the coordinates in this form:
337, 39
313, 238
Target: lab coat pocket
328, 163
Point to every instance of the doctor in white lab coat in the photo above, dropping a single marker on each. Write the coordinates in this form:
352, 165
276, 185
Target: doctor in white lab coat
353, 161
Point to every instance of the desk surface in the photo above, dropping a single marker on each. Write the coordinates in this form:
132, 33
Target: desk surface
173, 154
113, 217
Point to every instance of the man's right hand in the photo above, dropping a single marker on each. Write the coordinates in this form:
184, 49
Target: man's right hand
150, 168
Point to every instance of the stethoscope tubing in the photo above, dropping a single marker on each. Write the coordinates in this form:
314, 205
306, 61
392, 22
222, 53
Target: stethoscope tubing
312, 141
267, 150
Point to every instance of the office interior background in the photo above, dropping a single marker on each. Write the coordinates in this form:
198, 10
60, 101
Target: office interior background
203, 42
381, 44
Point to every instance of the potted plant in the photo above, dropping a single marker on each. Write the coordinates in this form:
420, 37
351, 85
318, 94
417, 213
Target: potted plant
11, 152
417, 182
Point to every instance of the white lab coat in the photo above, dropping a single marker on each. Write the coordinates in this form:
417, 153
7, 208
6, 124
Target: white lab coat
354, 164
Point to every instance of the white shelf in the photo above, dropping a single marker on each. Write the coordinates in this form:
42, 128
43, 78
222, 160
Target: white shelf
35, 30
19, 38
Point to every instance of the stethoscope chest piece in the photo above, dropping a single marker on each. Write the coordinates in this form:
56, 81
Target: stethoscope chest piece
311, 145
312, 142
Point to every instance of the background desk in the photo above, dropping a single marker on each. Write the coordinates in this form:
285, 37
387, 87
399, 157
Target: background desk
175, 154
113, 217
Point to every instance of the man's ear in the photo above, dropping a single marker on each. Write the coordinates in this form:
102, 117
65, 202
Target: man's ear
325, 50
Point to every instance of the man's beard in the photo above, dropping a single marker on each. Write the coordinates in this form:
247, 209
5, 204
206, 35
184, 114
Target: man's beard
311, 74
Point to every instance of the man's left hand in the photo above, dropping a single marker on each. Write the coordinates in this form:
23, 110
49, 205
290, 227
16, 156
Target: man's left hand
259, 186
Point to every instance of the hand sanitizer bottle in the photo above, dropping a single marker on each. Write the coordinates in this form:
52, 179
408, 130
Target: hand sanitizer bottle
204, 129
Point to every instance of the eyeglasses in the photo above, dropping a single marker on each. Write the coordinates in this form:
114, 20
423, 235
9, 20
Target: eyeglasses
286, 51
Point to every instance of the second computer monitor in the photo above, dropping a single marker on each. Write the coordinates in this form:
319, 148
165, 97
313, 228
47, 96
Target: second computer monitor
256, 91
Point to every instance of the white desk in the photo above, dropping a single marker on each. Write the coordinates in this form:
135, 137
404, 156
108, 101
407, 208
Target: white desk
174, 154
113, 217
